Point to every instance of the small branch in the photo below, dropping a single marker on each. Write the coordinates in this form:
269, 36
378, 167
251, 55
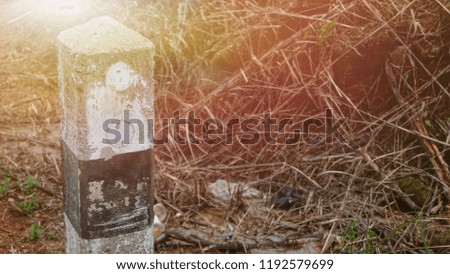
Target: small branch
49, 192
7, 231
200, 238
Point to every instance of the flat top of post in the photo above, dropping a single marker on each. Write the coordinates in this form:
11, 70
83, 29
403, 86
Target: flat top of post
102, 35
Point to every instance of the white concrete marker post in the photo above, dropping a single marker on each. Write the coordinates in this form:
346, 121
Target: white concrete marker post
106, 100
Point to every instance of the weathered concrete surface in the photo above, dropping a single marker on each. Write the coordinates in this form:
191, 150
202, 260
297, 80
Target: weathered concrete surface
136, 242
106, 69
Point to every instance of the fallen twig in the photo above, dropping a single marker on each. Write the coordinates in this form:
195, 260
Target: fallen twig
199, 238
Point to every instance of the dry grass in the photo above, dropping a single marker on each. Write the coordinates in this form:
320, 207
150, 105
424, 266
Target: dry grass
383, 64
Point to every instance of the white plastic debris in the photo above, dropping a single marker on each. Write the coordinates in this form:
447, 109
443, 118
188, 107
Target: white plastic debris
160, 216
225, 191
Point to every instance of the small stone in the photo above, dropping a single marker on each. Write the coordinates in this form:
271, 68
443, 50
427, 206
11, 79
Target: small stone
286, 197
225, 191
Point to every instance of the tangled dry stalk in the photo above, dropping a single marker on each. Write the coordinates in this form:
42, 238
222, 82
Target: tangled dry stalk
383, 64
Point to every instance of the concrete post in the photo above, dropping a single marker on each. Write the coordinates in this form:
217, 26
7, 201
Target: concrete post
106, 100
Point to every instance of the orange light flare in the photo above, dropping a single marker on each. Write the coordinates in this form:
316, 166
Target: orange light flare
47, 11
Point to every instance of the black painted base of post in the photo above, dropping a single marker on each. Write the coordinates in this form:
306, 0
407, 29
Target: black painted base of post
106, 198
